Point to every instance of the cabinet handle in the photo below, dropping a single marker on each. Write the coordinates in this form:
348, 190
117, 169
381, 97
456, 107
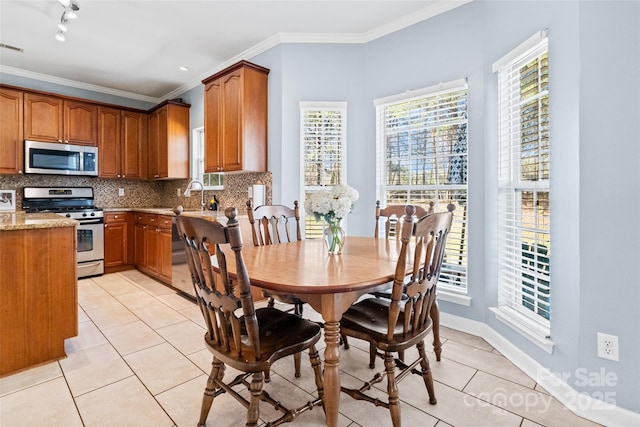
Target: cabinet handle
66, 141
115, 216
123, 176
118, 176
19, 171
60, 141
106, 225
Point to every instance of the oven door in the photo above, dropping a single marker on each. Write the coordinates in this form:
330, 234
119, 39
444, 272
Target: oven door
90, 248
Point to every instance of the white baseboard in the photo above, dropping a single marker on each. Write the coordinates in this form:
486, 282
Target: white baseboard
581, 404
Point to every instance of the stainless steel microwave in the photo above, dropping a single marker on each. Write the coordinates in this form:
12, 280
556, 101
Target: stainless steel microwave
60, 159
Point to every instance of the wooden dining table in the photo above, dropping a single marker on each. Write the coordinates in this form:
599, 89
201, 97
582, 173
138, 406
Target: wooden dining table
330, 284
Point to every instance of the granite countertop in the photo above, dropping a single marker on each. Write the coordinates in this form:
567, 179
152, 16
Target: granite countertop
25, 221
169, 211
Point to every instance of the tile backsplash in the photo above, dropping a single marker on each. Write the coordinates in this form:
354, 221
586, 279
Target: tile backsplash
141, 194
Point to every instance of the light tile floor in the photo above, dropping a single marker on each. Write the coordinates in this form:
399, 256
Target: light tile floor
140, 360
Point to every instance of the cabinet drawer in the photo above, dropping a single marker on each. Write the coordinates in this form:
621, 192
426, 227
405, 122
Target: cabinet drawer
144, 219
114, 217
159, 221
163, 221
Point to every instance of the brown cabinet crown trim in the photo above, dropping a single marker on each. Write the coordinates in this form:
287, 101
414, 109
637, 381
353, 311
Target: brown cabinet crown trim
90, 101
236, 66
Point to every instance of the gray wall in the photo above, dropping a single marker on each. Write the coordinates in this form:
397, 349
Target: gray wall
594, 48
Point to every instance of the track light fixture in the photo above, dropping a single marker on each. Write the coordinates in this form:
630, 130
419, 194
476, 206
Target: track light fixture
69, 13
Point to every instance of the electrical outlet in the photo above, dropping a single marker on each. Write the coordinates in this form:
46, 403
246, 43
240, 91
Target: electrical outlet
250, 192
608, 347
178, 193
120, 191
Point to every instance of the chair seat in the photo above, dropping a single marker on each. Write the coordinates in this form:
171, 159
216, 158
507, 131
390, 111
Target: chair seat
281, 334
369, 320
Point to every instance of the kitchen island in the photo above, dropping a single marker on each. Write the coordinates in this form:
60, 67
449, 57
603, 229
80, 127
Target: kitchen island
38, 288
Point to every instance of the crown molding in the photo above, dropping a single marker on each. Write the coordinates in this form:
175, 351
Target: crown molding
76, 84
428, 12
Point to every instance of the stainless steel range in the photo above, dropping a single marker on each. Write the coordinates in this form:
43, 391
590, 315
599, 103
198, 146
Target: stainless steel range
76, 203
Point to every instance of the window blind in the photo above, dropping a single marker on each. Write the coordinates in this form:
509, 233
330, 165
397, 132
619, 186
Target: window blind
323, 136
524, 242
422, 160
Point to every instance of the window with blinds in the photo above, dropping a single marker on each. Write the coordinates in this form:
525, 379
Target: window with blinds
524, 244
211, 181
422, 160
323, 135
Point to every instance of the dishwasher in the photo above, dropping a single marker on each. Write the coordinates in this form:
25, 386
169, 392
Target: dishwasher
180, 274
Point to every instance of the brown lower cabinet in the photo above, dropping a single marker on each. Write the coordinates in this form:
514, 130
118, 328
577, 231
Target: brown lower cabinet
118, 247
153, 245
39, 297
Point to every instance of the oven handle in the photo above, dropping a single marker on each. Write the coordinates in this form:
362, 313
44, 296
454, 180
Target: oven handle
91, 221
82, 264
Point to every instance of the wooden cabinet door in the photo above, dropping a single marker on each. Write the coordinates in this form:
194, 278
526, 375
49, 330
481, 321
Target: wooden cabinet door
176, 156
213, 127
152, 247
235, 119
162, 143
154, 141
164, 254
133, 145
109, 131
80, 123
140, 256
43, 118
11, 131
115, 240
232, 117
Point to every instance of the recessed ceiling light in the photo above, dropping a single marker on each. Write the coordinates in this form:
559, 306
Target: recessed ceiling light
183, 68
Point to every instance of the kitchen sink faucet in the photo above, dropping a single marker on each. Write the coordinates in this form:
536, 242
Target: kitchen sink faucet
187, 192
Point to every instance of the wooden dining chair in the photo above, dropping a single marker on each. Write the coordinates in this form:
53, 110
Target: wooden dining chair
238, 335
271, 225
391, 216
396, 324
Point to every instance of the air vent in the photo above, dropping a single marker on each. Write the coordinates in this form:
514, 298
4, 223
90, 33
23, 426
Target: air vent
8, 46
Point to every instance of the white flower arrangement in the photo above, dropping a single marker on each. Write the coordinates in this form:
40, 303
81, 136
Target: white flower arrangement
332, 205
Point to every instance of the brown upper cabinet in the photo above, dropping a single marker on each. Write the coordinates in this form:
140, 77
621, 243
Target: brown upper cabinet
54, 119
169, 141
11, 145
235, 119
122, 140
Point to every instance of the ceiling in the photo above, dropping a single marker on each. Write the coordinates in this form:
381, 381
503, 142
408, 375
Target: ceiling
135, 48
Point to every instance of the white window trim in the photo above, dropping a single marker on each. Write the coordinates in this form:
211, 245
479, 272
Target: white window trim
536, 331
322, 105
447, 293
197, 140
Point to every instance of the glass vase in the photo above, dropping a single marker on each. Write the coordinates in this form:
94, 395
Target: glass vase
334, 236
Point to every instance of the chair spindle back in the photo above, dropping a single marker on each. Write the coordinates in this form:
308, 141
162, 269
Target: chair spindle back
429, 241
207, 244
273, 224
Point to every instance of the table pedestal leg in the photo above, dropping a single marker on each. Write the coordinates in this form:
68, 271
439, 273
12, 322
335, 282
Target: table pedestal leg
331, 372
